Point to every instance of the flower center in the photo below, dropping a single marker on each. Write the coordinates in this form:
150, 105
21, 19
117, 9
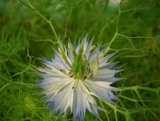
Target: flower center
78, 65
80, 68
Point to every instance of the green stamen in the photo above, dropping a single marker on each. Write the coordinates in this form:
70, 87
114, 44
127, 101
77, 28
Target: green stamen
92, 48
78, 66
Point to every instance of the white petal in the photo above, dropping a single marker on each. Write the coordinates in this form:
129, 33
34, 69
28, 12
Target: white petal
51, 71
87, 50
83, 100
56, 64
85, 44
48, 81
80, 103
77, 49
101, 92
109, 65
62, 100
105, 59
106, 71
95, 51
61, 60
55, 87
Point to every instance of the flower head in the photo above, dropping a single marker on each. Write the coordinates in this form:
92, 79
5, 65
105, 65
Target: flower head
76, 77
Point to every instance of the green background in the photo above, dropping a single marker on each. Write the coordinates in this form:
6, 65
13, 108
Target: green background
133, 27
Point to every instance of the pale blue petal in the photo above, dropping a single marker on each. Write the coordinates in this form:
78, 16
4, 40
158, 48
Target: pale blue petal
87, 50
56, 64
62, 100
81, 103
105, 59
61, 60
100, 91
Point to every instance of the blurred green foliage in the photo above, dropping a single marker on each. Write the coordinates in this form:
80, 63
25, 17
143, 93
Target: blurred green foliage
25, 37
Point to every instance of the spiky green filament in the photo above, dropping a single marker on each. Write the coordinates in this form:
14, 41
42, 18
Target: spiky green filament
78, 66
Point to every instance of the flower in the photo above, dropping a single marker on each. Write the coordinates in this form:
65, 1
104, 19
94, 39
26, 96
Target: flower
76, 77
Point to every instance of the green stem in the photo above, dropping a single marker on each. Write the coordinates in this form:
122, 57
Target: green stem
49, 22
116, 33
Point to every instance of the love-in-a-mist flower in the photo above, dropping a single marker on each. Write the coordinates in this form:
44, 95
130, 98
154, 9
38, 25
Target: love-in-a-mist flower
76, 77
